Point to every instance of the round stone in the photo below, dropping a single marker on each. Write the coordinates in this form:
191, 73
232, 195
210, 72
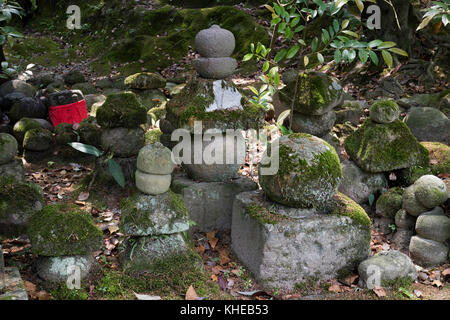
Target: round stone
145, 80
384, 111
389, 203
433, 225
8, 148
405, 221
307, 174
38, 139
430, 191
59, 269
215, 42
155, 159
122, 141
428, 124
215, 68
410, 204
152, 183
315, 125
427, 253
27, 107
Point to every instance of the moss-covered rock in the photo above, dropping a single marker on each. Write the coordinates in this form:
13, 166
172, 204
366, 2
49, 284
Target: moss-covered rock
122, 141
38, 139
22, 126
389, 203
74, 77
64, 134
157, 112
430, 191
18, 201
151, 98
308, 175
121, 110
8, 148
428, 124
85, 87
153, 136
90, 133
150, 215
155, 159
62, 230
384, 111
385, 147
218, 104
145, 80
317, 93
344, 206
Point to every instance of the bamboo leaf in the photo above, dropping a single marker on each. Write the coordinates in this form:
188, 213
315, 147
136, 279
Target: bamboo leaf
116, 172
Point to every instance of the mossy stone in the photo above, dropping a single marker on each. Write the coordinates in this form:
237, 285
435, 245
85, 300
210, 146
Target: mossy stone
389, 203
410, 203
85, 87
38, 139
8, 148
345, 206
153, 136
22, 126
430, 191
121, 109
428, 124
63, 230
145, 80
317, 93
384, 111
74, 77
90, 133
122, 141
156, 159
308, 175
385, 147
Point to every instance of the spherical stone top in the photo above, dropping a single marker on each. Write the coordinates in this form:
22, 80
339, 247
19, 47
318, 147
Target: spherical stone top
155, 159
384, 111
308, 175
430, 191
8, 148
215, 42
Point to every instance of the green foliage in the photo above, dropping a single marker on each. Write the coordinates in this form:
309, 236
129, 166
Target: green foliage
437, 14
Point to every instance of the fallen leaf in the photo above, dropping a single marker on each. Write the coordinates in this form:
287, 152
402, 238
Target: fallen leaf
214, 278
437, 283
418, 293
146, 297
43, 295
380, 291
191, 294
83, 196
222, 283
335, 288
200, 249
113, 228
29, 287
212, 239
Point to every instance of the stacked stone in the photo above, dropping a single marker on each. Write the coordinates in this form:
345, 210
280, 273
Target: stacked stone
298, 233
120, 117
11, 284
156, 218
64, 237
9, 165
429, 247
37, 144
317, 95
386, 208
218, 105
384, 143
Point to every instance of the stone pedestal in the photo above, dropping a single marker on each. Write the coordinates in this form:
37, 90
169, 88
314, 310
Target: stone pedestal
283, 246
210, 204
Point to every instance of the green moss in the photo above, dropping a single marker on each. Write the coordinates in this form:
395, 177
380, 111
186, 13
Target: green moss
22, 126
385, 106
264, 215
389, 203
343, 205
38, 139
89, 133
385, 147
159, 112
63, 229
61, 292
145, 80
152, 136
121, 109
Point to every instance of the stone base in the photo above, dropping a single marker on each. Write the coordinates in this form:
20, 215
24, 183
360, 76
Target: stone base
128, 166
59, 269
13, 169
36, 156
14, 288
210, 204
140, 253
428, 253
288, 245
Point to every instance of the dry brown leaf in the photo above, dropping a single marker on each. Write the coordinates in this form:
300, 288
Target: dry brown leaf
214, 278
43, 295
216, 269
437, 283
191, 294
200, 249
380, 291
29, 287
212, 239
113, 228
335, 288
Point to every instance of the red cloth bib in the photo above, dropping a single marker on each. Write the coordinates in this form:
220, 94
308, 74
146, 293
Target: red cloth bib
68, 113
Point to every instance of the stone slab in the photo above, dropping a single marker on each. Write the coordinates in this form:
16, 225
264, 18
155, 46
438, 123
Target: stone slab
14, 288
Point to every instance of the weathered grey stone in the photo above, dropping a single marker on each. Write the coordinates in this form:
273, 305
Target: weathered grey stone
214, 167
13, 169
210, 204
410, 204
215, 42
59, 269
17, 85
145, 80
124, 142
14, 288
315, 125
155, 159
281, 251
85, 87
335, 143
8, 148
430, 191
386, 266
351, 111
402, 239
405, 221
308, 175
389, 203
384, 111
215, 68
153, 184
64, 97
429, 124
44, 124
27, 107
128, 166
93, 98
141, 253
149, 215
383, 224
36, 156
427, 253
73, 77
433, 225
38, 139
359, 185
